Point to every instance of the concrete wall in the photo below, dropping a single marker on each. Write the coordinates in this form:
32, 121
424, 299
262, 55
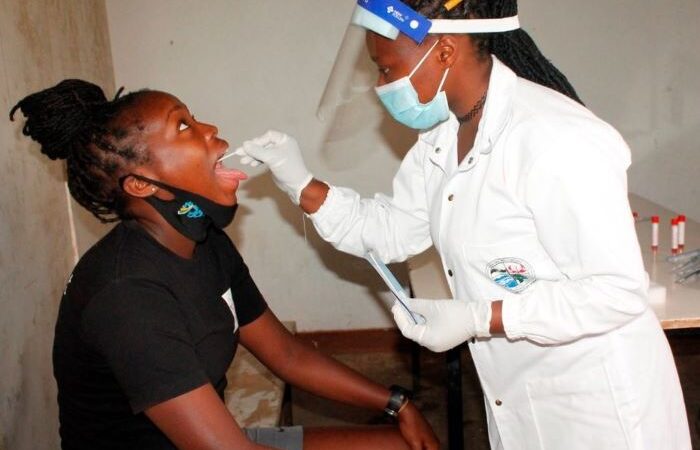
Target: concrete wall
251, 65
41, 42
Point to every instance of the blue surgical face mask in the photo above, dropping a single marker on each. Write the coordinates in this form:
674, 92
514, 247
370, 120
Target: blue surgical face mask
401, 100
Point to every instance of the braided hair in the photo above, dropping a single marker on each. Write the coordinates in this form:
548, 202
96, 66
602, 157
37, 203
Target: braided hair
74, 121
516, 49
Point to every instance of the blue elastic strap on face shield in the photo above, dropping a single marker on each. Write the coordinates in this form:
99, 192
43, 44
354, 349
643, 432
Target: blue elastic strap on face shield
397, 15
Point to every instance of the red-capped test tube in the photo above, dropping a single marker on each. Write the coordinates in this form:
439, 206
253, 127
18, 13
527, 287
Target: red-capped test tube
681, 232
654, 233
674, 235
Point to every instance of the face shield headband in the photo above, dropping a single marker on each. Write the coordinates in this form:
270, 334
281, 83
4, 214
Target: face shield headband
391, 17
344, 104
354, 74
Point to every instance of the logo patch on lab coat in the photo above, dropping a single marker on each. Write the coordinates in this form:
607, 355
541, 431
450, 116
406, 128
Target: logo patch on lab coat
513, 274
228, 298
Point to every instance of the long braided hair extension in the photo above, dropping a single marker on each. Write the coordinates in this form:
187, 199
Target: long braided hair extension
516, 49
74, 121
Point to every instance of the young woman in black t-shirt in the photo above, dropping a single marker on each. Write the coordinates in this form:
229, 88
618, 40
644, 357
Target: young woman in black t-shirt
152, 314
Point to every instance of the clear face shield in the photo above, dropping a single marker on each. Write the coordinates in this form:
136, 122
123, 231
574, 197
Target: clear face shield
349, 89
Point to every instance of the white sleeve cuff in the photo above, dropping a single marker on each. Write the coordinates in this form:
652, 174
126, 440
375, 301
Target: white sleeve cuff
482, 318
331, 220
510, 316
326, 207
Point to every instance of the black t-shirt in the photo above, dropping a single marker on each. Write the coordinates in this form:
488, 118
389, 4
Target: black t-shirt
139, 325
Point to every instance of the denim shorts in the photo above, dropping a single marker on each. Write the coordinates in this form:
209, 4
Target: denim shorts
283, 438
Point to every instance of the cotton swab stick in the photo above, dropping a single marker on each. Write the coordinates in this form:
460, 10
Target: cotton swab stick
239, 151
228, 155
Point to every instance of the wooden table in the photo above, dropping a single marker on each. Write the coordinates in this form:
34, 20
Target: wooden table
680, 309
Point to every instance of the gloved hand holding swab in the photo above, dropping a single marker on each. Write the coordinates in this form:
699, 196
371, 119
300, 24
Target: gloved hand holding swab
282, 155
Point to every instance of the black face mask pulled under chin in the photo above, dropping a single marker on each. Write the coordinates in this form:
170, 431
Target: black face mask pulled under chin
189, 213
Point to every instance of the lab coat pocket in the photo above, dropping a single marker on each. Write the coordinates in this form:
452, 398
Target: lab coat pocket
577, 411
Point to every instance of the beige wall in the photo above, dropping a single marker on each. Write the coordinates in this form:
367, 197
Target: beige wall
635, 63
41, 42
253, 64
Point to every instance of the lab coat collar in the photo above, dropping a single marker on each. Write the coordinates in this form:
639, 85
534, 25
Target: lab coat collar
497, 112
498, 107
441, 139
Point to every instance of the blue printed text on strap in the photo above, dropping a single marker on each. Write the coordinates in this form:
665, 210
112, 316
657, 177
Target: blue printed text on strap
397, 13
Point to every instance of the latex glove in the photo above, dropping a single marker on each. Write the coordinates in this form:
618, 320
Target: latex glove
282, 155
448, 323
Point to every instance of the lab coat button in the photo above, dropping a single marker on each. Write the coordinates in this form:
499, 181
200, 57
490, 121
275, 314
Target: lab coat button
449, 272
499, 403
450, 197
437, 149
471, 158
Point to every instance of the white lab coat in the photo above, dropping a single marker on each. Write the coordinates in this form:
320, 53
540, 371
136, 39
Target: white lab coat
585, 364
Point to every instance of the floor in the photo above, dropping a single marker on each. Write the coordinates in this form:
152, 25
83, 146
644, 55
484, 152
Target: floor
395, 368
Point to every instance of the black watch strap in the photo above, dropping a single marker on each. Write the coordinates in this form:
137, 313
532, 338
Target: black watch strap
397, 398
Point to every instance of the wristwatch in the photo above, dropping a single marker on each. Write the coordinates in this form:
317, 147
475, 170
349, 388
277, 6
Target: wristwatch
397, 399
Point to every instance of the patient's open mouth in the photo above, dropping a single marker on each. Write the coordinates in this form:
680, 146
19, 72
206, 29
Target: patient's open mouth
227, 176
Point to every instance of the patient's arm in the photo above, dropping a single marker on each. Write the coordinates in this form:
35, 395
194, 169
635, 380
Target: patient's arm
307, 368
198, 420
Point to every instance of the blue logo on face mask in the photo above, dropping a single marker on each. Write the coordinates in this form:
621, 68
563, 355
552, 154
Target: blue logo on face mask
191, 210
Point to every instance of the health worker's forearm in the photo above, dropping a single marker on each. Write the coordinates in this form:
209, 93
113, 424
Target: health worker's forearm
496, 318
313, 196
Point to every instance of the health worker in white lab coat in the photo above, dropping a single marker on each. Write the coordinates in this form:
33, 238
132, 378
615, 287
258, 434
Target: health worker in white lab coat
523, 192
